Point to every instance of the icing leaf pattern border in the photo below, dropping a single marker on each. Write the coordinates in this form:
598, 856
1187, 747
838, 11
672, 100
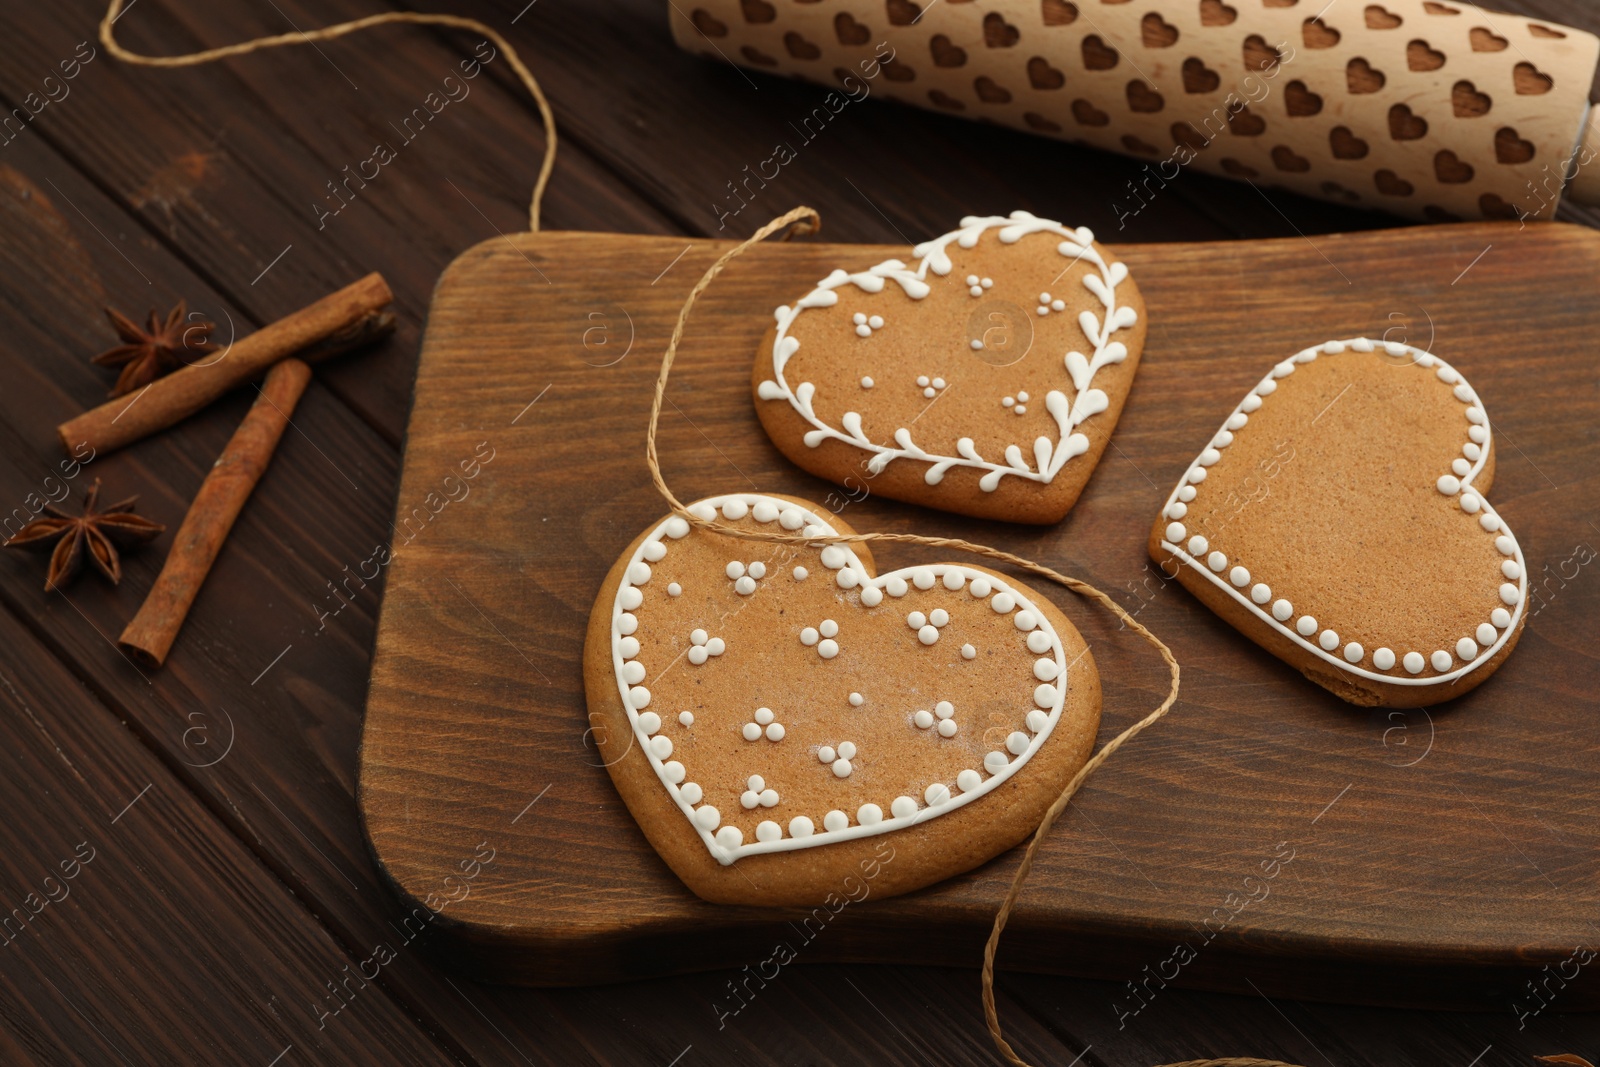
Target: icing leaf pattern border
1048, 457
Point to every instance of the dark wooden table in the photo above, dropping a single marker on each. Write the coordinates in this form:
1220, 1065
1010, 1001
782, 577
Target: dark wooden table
222, 906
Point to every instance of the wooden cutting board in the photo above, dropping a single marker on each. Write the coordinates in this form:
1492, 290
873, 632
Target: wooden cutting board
1439, 857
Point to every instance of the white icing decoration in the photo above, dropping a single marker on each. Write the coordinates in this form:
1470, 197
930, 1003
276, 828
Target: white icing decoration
1048, 457
1513, 593
836, 825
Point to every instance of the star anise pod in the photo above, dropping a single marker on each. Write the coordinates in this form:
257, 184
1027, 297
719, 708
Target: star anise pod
96, 533
148, 353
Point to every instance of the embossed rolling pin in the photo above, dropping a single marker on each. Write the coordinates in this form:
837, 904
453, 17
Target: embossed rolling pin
1437, 111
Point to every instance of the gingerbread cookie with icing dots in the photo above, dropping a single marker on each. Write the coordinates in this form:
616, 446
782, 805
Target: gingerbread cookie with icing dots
775, 716
1340, 519
985, 379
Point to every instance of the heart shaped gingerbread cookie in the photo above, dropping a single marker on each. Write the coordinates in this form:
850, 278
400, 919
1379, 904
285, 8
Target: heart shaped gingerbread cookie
777, 715
1339, 519
986, 379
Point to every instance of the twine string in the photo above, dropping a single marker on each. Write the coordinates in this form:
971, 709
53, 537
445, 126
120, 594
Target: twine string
805, 220
328, 33
801, 220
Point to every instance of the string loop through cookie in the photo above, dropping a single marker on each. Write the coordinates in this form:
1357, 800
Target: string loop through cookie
805, 220
327, 33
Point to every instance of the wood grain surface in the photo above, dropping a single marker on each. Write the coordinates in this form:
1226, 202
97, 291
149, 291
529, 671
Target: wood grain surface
143, 187
1434, 857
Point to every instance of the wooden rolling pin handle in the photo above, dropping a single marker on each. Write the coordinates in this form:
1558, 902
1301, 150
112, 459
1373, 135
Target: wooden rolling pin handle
1584, 188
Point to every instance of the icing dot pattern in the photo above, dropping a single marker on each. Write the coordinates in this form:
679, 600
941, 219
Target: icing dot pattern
945, 589
1100, 323
865, 326
1463, 654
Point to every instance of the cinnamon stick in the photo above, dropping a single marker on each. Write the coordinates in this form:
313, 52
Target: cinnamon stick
221, 497
180, 394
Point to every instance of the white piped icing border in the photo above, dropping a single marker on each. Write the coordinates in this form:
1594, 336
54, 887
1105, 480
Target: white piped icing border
1395, 667
1049, 457
849, 574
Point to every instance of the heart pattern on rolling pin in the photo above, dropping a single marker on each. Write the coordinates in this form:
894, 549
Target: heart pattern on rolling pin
1113, 81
